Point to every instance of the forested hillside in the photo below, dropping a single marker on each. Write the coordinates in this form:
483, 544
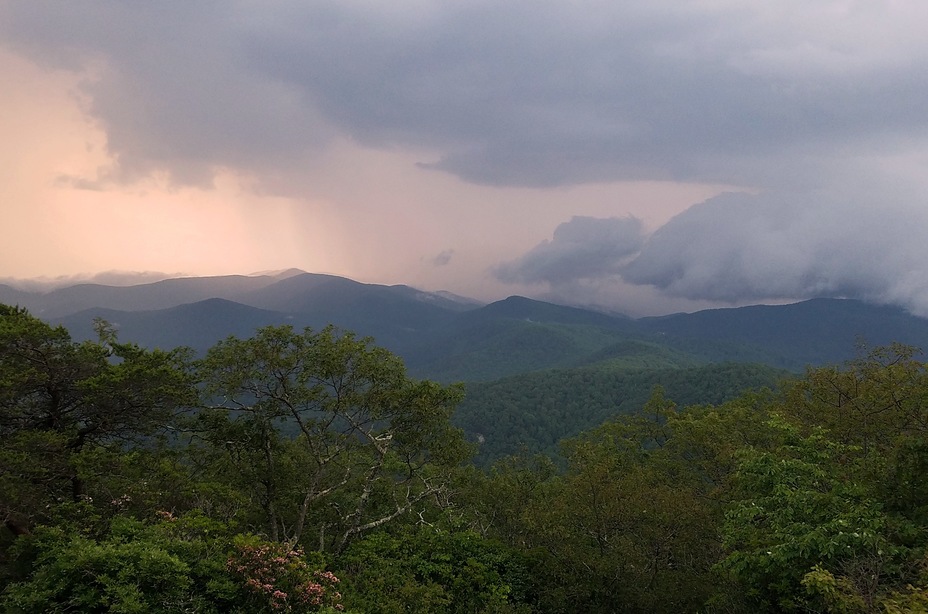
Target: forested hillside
533, 412
305, 471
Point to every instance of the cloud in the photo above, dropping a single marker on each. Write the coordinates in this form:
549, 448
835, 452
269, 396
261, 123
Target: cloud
862, 239
511, 93
443, 259
106, 278
816, 108
583, 248
170, 86
793, 245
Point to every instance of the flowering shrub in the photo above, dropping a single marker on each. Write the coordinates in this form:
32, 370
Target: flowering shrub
279, 579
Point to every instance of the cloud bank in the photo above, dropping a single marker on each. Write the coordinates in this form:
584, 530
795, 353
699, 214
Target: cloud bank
740, 247
583, 248
513, 93
816, 110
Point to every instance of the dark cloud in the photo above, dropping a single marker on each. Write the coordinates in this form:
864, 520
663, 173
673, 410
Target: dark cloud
799, 245
514, 93
583, 248
444, 258
168, 83
807, 103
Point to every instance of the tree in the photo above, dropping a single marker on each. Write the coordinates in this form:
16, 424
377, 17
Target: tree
831, 515
326, 428
809, 531
184, 564
422, 569
60, 399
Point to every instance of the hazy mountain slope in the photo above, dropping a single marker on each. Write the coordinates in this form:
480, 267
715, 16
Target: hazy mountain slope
143, 297
14, 296
198, 325
512, 336
639, 354
817, 331
521, 308
446, 338
337, 298
312, 292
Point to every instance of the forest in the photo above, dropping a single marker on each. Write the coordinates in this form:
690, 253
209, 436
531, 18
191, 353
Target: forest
306, 471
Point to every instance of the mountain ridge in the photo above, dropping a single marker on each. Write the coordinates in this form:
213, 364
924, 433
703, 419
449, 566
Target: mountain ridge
450, 339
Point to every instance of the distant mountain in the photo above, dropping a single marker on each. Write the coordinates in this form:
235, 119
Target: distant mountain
291, 290
198, 325
816, 331
14, 296
143, 297
175, 312
536, 372
530, 310
448, 338
513, 336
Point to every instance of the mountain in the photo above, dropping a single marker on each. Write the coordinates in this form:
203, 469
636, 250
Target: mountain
536, 372
444, 337
143, 297
513, 336
816, 331
175, 312
533, 412
14, 296
197, 325
394, 315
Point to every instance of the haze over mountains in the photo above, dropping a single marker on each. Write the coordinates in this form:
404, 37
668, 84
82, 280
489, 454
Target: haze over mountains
449, 338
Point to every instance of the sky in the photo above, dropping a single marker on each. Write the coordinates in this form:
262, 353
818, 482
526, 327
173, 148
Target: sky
646, 156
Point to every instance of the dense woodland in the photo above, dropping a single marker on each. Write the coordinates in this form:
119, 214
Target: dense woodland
303, 470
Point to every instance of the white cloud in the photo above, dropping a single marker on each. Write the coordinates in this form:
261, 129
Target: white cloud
792, 245
583, 248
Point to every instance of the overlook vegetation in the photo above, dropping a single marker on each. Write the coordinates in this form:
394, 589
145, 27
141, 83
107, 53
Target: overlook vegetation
304, 470
533, 412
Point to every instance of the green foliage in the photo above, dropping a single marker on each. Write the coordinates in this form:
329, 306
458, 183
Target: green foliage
427, 570
92, 392
831, 515
325, 430
691, 496
134, 568
805, 511
632, 525
190, 563
534, 411
62, 401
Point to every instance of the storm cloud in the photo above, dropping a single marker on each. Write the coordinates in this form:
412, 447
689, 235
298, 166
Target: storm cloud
513, 93
583, 248
792, 245
812, 115
739, 248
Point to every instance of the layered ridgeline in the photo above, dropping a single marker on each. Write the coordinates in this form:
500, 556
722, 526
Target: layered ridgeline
449, 338
536, 371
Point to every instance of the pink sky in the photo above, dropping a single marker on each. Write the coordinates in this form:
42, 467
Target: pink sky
372, 215
450, 144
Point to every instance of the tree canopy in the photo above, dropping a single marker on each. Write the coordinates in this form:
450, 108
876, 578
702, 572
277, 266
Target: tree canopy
303, 471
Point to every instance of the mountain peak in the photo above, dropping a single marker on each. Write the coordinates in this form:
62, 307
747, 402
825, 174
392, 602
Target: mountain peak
279, 273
